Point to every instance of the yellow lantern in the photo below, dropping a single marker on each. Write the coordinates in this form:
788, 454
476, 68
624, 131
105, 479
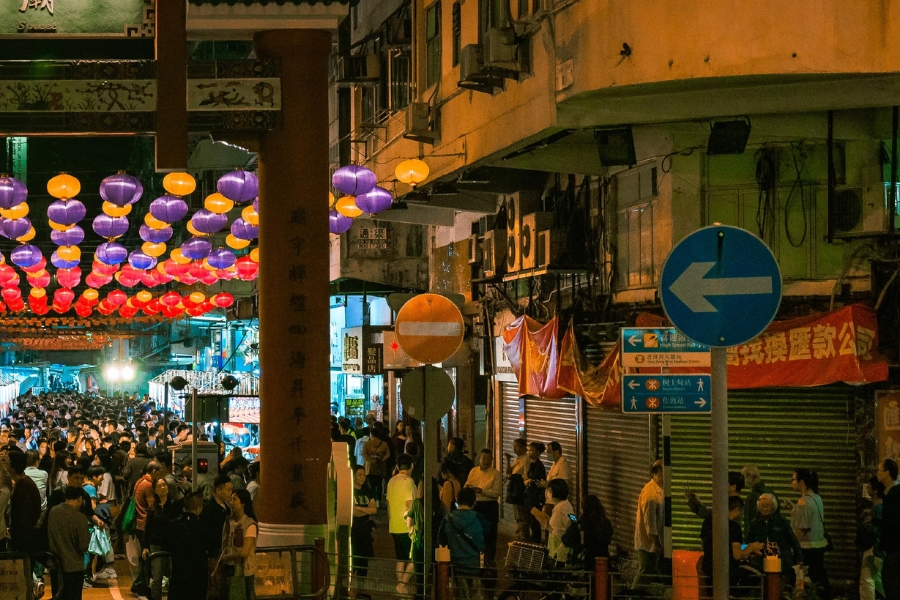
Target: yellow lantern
63, 186
90, 294
40, 273
115, 210
37, 292
347, 207
330, 199
69, 252
218, 203
144, 296
154, 223
412, 172
178, 257
236, 243
194, 230
2, 260
16, 212
197, 298
154, 250
250, 215
27, 237
59, 226
179, 184
254, 255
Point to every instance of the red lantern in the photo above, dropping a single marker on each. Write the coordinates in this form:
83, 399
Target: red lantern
104, 269
170, 299
40, 310
195, 312
246, 267
16, 305
207, 306
188, 279
12, 282
11, 293
127, 312
6, 274
225, 274
63, 296
148, 278
128, 282
117, 297
172, 311
223, 299
210, 278
68, 277
60, 308
83, 311
36, 267
152, 308
105, 308
188, 303
40, 281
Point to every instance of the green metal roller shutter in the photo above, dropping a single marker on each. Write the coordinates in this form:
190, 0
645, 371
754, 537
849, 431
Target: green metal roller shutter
779, 430
619, 454
556, 420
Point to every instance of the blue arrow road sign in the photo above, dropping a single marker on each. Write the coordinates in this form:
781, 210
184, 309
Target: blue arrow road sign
661, 347
643, 394
721, 286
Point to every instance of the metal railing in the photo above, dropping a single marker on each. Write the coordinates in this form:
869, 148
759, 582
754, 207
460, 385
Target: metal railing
17, 578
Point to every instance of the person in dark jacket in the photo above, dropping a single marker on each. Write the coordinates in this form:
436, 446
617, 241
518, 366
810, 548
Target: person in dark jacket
534, 492
134, 468
24, 507
215, 515
773, 530
184, 538
889, 529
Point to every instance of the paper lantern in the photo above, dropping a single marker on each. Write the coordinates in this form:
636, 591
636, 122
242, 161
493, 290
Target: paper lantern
226, 274
111, 253
375, 201
188, 303
11, 293
83, 312
175, 269
220, 258
168, 209
144, 296
197, 297
208, 222
179, 184
116, 211
352, 180
223, 299
330, 200
151, 309
61, 263
179, 257
194, 231
243, 230
66, 212
26, 256
37, 292
16, 228
246, 267
238, 186
39, 279
117, 297
69, 253
197, 269
156, 236
172, 312
90, 295
188, 279
16, 212
38, 266
103, 268
141, 261
209, 278
256, 203
217, 203
412, 172
254, 255
63, 296
105, 308
250, 215
27, 237
347, 207
12, 191
121, 189
58, 226
235, 242
63, 186
110, 227
338, 223
196, 248
153, 222
68, 277
170, 299
154, 250
127, 312
70, 237
12, 281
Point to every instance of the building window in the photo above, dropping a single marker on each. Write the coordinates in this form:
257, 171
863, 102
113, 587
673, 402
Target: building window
400, 79
433, 44
491, 13
457, 31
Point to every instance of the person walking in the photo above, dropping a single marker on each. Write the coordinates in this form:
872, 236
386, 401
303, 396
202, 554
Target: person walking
516, 470
401, 491
808, 522
649, 524
485, 481
376, 454
889, 527
69, 538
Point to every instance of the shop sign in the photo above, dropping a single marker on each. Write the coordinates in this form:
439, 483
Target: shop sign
887, 431
372, 238
243, 410
78, 18
374, 357
352, 361
502, 365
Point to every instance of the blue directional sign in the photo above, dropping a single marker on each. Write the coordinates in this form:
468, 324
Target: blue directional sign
645, 394
661, 347
721, 286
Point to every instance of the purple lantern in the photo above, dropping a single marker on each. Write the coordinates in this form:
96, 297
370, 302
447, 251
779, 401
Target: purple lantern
26, 256
338, 223
221, 258
110, 227
168, 208
141, 261
243, 230
3, 221
121, 189
256, 204
70, 237
66, 212
16, 228
62, 264
12, 192
375, 201
238, 186
155, 236
111, 253
353, 180
206, 221
196, 248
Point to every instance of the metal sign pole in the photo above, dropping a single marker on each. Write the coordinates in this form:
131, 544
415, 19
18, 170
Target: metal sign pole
719, 426
428, 440
194, 437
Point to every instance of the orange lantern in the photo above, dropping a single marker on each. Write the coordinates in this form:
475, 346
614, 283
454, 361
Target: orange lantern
412, 172
218, 203
197, 297
347, 207
63, 186
179, 184
251, 216
154, 223
16, 212
144, 296
59, 226
27, 237
194, 230
69, 253
90, 294
114, 210
254, 255
330, 200
154, 250
236, 243
37, 293
178, 257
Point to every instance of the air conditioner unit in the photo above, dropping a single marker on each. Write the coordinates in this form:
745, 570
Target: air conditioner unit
493, 253
550, 246
863, 210
486, 223
359, 70
472, 74
419, 125
474, 249
398, 31
528, 236
501, 51
517, 203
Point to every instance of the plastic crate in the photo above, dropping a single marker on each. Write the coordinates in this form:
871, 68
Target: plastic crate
526, 557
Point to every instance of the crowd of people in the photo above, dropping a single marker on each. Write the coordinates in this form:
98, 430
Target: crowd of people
85, 477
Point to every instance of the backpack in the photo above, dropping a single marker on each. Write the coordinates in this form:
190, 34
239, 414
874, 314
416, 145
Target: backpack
572, 537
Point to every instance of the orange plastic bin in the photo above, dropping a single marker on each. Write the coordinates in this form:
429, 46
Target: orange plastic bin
685, 580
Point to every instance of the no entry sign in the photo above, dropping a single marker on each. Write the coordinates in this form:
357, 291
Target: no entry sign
429, 328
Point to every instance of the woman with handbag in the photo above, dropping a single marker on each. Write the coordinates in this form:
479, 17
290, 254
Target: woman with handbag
238, 559
808, 523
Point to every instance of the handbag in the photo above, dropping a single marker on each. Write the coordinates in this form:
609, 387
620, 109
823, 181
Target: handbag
129, 521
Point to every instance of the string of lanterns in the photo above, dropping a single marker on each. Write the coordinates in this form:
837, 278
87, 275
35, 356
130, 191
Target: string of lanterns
363, 196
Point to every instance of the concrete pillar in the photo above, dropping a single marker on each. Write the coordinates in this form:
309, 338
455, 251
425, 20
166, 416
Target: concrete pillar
171, 85
295, 433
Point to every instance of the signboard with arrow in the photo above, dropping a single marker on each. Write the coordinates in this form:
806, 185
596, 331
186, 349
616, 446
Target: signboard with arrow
661, 347
646, 394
